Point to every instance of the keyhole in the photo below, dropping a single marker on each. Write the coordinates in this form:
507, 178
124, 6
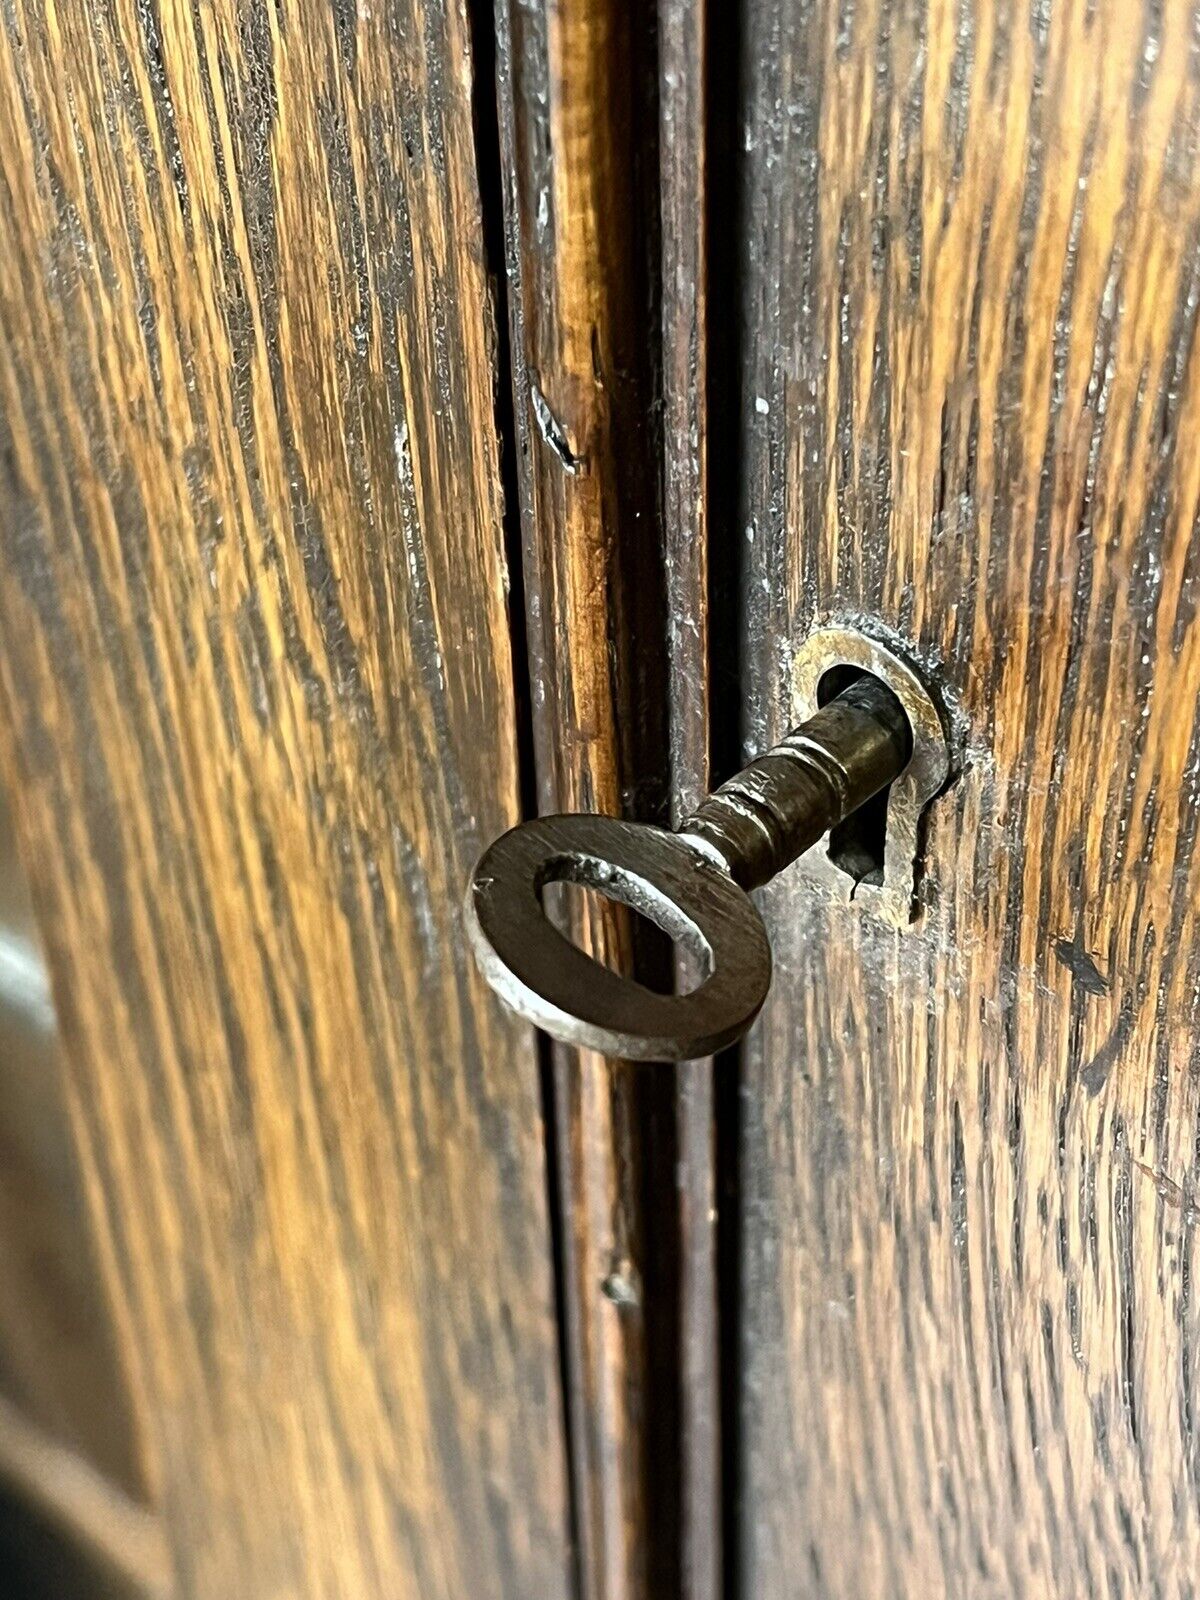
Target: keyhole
857, 845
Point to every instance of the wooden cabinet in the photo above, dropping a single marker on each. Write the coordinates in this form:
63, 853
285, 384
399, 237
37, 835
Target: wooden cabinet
413, 415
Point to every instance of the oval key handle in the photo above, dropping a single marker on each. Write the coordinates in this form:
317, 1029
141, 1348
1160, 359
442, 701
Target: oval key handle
666, 877
692, 883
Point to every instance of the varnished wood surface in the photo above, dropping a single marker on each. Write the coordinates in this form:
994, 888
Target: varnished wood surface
257, 716
683, 107
578, 165
969, 245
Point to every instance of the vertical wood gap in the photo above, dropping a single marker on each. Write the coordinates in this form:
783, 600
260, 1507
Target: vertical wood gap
486, 123
576, 91
724, 229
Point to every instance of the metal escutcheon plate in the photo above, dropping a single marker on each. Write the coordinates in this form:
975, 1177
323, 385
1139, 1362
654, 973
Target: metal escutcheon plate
557, 986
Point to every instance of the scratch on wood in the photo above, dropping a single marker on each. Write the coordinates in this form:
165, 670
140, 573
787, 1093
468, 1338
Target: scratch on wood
553, 432
1081, 966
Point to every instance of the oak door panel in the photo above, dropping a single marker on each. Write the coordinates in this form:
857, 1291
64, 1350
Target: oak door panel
969, 398
578, 136
257, 714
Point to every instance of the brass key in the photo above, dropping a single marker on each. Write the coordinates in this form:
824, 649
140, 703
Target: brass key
691, 883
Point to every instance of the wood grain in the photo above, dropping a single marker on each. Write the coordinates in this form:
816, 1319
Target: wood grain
256, 711
580, 255
970, 408
683, 62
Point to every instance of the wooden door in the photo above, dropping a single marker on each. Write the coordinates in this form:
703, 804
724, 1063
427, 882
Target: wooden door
411, 413
927, 283
257, 718
964, 248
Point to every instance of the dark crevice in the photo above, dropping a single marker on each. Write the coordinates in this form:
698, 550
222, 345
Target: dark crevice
857, 843
725, 233
645, 584
558, 1246
727, 1111
638, 641
491, 199
485, 113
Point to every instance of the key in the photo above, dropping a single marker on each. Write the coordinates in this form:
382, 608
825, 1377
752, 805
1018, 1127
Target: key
693, 883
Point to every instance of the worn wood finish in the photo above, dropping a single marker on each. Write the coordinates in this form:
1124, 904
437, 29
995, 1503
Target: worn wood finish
970, 396
257, 714
570, 82
684, 220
